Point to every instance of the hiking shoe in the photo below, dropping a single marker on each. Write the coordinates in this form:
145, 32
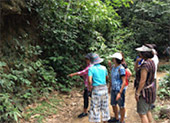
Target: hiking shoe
113, 120
121, 122
82, 115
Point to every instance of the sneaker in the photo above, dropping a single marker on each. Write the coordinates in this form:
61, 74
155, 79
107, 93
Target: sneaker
82, 115
113, 120
121, 122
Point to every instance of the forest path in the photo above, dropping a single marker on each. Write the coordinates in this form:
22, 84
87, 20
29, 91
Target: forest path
132, 116
73, 105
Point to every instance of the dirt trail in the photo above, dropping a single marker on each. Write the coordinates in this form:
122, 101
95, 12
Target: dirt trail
132, 116
73, 103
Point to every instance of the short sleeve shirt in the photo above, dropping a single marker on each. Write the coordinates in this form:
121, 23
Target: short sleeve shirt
116, 74
84, 73
98, 73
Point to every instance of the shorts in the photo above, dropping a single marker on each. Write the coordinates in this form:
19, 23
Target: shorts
142, 106
99, 104
120, 102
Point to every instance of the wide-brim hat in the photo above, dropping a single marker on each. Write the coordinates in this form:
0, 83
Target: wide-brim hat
143, 48
89, 56
95, 59
117, 56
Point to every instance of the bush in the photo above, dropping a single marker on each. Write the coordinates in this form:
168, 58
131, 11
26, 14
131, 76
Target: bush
72, 29
164, 67
164, 90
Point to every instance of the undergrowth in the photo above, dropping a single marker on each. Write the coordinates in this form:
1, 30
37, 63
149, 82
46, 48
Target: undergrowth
164, 67
42, 109
164, 87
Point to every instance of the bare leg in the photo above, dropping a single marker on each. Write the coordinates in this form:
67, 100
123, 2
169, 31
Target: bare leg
149, 115
144, 118
122, 113
115, 110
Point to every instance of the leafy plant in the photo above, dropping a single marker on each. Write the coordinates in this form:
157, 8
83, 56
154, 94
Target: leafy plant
164, 67
164, 91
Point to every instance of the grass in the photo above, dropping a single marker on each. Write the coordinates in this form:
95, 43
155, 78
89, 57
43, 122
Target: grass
43, 109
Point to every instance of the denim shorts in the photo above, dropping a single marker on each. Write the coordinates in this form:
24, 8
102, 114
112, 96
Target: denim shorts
120, 102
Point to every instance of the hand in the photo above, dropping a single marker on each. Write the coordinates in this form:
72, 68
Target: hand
118, 96
109, 63
138, 59
137, 97
70, 75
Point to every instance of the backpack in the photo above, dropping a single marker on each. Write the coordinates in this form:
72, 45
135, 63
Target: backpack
127, 76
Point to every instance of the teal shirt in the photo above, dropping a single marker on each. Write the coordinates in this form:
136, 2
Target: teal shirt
98, 73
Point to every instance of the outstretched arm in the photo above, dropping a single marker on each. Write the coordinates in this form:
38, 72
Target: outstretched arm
80, 72
73, 74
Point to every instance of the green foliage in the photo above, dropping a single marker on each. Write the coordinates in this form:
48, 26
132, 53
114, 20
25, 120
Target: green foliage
24, 77
43, 109
71, 29
164, 91
164, 67
149, 22
23, 84
8, 110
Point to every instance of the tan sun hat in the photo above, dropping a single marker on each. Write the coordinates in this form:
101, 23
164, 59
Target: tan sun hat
143, 48
117, 55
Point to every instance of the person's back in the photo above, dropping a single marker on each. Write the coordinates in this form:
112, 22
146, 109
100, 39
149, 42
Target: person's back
99, 101
99, 73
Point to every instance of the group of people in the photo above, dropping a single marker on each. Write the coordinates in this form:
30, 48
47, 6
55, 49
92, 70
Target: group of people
96, 77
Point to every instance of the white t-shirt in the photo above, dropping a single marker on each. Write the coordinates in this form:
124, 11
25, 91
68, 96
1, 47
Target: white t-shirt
156, 61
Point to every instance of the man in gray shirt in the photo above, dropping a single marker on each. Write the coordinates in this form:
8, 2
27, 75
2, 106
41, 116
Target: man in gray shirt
167, 52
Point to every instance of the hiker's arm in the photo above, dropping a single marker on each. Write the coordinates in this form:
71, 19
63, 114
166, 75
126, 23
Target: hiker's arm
90, 82
123, 84
164, 51
109, 87
110, 65
141, 83
73, 74
107, 78
122, 87
136, 63
83, 72
79, 73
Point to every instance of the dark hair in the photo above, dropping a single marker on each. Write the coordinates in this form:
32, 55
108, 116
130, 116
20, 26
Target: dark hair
118, 61
147, 54
123, 61
89, 57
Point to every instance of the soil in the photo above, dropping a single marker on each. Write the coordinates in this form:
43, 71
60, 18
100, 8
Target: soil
73, 104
